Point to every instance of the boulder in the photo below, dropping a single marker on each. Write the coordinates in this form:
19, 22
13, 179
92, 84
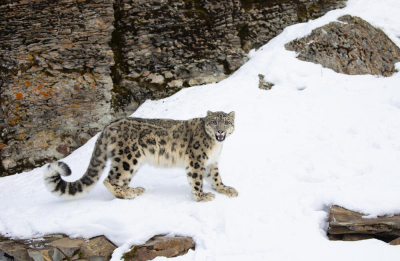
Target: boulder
350, 46
348, 225
160, 246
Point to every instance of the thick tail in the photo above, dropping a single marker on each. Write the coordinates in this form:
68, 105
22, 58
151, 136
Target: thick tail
55, 184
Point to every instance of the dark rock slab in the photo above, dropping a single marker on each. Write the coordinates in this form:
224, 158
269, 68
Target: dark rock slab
350, 46
160, 246
356, 237
348, 225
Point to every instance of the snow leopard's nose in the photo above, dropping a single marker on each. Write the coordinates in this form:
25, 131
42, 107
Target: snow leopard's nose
220, 131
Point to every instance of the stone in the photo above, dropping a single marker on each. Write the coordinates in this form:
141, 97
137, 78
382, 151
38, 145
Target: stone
31, 249
168, 75
160, 246
356, 237
55, 248
176, 83
15, 250
263, 85
395, 242
335, 237
351, 46
156, 78
68, 246
352, 226
5, 257
98, 249
47, 254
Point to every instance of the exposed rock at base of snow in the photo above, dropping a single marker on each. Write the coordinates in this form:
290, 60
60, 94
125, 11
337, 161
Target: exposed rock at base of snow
348, 225
68, 246
395, 242
56, 248
350, 46
98, 249
160, 246
60, 247
356, 237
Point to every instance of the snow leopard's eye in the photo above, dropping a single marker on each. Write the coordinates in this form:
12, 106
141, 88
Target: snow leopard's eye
213, 122
227, 123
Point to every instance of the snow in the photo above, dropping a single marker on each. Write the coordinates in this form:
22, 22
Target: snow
315, 139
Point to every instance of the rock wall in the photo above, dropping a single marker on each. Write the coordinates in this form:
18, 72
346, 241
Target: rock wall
164, 45
68, 67
55, 78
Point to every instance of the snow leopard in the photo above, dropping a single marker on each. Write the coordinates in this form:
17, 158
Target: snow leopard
129, 143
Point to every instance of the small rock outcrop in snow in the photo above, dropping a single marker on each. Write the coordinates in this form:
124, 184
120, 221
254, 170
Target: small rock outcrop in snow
160, 246
263, 85
60, 247
348, 225
56, 248
350, 46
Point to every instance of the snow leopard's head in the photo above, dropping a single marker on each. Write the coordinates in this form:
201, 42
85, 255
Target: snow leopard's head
219, 124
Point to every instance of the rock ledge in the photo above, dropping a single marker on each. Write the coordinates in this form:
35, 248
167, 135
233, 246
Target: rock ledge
348, 225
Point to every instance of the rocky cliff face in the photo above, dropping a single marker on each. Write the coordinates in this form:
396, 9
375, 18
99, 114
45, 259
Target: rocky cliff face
68, 67
55, 78
162, 46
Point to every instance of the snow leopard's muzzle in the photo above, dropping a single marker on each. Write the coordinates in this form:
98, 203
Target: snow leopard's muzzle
220, 136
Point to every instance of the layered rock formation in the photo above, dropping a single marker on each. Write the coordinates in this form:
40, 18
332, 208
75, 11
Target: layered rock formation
56, 247
162, 46
55, 78
160, 246
351, 46
68, 67
348, 225
60, 247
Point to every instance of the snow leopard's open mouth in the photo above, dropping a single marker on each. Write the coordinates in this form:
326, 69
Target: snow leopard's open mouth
220, 136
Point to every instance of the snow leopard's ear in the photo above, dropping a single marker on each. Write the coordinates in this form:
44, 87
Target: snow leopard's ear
209, 113
232, 115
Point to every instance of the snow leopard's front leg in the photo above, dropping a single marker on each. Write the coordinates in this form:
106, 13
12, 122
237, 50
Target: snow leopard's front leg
195, 174
214, 178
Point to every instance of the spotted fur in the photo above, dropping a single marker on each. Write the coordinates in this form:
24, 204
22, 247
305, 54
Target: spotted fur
129, 143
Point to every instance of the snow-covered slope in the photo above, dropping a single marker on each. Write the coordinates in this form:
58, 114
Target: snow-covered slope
317, 138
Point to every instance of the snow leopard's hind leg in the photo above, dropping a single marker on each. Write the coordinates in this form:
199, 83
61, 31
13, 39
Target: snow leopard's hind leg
123, 169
